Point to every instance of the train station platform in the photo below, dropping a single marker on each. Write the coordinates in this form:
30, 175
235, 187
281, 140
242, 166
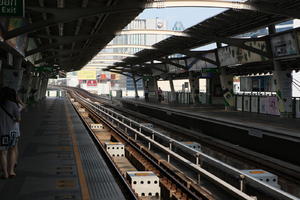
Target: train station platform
262, 133
58, 160
287, 126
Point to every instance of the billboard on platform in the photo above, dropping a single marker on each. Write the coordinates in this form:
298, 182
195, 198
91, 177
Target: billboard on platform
87, 75
284, 45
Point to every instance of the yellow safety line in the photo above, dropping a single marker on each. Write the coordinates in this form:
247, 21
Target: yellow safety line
82, 179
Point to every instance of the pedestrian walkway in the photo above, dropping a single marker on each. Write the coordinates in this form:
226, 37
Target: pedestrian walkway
58, 160
272, 123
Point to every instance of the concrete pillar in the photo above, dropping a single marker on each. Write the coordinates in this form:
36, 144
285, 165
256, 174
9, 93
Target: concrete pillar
151, 82
12, 78
173, 93
1, 72
45, 86
227, 87
26, 82
194, 83
41, 88
283, 85
135, 86
34, 88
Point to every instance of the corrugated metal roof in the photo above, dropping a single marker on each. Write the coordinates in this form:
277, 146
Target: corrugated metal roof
75, 54
226, 24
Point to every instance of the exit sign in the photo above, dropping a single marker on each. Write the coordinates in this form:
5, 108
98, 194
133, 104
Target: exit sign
12, 8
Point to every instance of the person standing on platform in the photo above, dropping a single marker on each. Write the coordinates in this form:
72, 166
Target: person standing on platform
16, 99
146, 93
9, 116
160, 95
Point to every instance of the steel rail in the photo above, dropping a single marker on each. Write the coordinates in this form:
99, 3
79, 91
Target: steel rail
137, 148
128, 192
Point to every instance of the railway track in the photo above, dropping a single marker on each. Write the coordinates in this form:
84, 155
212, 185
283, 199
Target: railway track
289, 174
139, 142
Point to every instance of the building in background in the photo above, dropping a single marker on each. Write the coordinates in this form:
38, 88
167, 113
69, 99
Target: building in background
178, 26
93, 79
126, 83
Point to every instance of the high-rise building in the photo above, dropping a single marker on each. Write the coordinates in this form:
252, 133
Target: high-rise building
178, 26
140, 39
126, 83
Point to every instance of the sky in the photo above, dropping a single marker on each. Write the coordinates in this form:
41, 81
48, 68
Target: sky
188, 16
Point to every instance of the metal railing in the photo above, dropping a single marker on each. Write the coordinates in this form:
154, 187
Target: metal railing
178, 97
139, 132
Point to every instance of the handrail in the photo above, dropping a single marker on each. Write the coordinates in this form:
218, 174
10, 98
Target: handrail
255, 183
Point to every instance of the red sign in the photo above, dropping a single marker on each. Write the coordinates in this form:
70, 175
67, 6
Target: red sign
103, 77
91, 83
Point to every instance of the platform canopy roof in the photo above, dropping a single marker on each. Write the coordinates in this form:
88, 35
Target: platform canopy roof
69, 33
218, 28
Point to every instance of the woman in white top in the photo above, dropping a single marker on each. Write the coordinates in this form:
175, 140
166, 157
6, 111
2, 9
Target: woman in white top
9, 116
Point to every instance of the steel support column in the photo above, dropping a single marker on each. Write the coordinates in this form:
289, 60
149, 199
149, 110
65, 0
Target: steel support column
283, 84
173, 94
135, 86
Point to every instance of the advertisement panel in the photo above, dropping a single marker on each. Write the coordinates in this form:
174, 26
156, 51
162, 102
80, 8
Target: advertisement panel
234, 55
284, 45
87, 75
19, 43
272, 107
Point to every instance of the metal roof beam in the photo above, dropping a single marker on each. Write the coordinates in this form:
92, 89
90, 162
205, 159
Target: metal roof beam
152, 66
271, 9
198, 55
234, 42
153, 32
167, 61
63, 15
62, 40
50, 58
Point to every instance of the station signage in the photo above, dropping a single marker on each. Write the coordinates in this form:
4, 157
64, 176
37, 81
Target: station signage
43, 69
12, 8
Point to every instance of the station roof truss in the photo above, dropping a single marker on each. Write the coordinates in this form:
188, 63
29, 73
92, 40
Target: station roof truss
221, 28
69, 33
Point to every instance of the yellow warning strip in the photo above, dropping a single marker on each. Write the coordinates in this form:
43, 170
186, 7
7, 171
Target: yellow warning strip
82, 179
